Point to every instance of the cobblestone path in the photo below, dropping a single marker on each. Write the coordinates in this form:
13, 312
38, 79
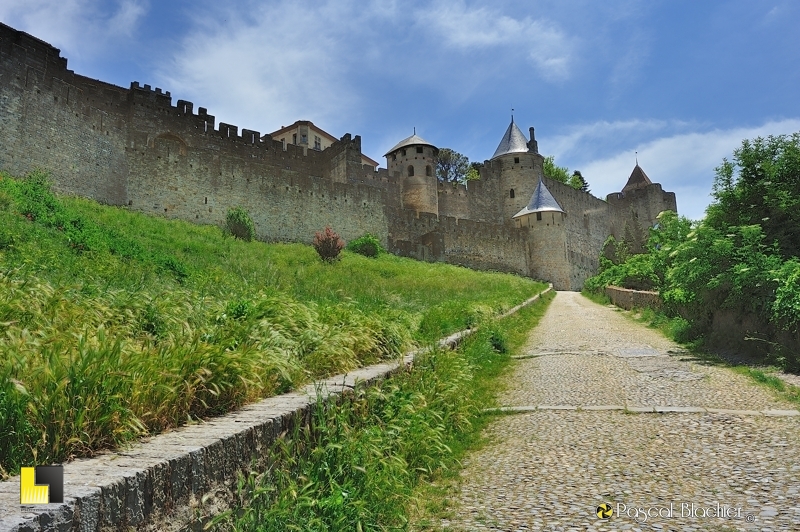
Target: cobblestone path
550, 468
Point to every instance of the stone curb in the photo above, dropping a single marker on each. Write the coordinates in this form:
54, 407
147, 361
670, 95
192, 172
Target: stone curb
175, 480
641, 410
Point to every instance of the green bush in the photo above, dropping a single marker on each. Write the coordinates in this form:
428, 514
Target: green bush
240, 224
367, 245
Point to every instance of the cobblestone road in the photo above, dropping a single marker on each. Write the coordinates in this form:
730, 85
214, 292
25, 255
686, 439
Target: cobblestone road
549, 469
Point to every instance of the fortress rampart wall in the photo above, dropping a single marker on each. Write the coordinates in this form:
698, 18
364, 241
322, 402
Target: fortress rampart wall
133, 147
53, 119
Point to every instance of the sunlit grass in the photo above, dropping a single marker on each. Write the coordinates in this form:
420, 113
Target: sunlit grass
114, 324
386, 456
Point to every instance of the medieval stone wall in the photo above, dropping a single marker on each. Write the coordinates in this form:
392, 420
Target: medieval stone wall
52, 119
133, 147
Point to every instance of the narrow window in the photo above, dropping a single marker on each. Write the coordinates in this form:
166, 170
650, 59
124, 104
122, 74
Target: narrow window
511, 194
394, 156
410, 171
516, 160
538, 217
206, 201
294, 139
428, 171
419, 149
303, 139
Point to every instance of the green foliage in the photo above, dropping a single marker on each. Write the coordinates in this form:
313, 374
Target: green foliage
786, 307
156, 321
741, 259
358, 465
551, 170
367, 245
474, 171
578, 182
761, 187
240, 224
452, 167
328, 244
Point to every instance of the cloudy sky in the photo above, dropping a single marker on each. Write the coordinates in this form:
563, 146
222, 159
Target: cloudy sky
678, 81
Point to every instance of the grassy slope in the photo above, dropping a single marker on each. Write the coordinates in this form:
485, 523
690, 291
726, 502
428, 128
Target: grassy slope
113, 323
388, 455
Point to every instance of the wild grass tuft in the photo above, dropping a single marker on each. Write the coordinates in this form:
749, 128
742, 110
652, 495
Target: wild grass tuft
114, 324
368, 462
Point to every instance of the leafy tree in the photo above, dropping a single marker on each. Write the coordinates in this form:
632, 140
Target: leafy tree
578, 182
761, 186
451, 166
474, 171
551, 170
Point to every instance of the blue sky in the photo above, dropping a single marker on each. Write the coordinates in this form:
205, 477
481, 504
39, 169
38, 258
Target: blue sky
681, 82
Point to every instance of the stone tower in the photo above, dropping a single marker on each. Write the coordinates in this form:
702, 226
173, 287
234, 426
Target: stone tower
547, 242
414, 160
520, 166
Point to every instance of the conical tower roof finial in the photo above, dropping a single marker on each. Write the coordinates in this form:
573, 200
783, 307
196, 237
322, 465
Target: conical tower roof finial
513, 141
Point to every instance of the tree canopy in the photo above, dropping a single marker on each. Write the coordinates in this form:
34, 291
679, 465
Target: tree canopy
761, 186
453, 167
561, 173
742, 259
553, 171
577, 181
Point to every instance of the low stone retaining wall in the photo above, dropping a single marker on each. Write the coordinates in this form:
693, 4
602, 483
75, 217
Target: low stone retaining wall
179, 479
630, 299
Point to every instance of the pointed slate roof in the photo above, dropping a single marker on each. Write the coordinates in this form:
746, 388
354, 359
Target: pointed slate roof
541, 201
513, 141
638, 179
413, 140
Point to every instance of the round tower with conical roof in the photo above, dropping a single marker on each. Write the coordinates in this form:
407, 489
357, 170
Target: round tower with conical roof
413, 160
520, 166
547, 244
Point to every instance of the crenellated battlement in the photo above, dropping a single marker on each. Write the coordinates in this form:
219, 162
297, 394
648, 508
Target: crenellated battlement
132, 147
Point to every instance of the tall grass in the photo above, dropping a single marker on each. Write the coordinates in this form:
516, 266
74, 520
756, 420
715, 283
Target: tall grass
114, 324
359, 464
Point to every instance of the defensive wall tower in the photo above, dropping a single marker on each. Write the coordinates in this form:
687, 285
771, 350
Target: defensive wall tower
547, 243
413, 161
519, 166
637, 207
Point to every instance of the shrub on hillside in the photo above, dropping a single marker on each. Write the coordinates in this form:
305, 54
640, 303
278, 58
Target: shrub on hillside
367, 245
328, 244
240, 224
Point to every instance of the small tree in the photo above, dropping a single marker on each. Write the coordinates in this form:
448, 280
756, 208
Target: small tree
328, 244
451, 166
240, 224
578, 182
559, 173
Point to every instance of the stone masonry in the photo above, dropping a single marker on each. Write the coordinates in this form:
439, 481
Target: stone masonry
133, 147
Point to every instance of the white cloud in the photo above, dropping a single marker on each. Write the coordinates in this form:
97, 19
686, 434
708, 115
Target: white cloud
540, 41
81, 28
266, 67
683, 163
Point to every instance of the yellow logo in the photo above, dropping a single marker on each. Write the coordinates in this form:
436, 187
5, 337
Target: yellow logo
41, 485
604, 511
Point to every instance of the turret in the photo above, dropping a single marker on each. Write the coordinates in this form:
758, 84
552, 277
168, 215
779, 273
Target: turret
547, 244
520, 168
414, 160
